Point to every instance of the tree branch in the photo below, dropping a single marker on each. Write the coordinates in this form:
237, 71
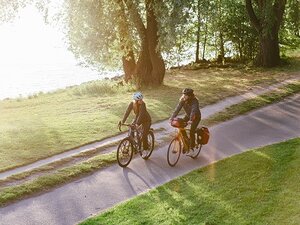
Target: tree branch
136, 18
253, 18
279, 6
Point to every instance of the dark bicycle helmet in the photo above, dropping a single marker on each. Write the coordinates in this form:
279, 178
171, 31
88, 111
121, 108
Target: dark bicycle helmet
188, 91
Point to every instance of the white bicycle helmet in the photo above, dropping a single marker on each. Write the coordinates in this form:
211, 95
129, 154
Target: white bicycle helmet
137, 96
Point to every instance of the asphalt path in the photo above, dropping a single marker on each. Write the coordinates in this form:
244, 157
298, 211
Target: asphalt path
88, 196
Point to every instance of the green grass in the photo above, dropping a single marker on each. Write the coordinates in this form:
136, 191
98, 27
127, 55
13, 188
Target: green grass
50, 123
256, 187
258, 102
46, 182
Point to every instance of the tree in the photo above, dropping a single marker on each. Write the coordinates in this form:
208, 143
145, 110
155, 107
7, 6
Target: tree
266, 17
238, 30
102, 32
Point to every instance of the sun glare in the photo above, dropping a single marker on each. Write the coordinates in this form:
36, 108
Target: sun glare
27, 40
34, 57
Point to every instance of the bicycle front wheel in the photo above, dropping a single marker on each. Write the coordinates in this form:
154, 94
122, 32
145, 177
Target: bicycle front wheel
147, 153
174, 152
124, 152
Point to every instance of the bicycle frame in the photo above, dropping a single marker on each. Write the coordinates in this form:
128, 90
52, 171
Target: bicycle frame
183, 137
181, 144
134, 133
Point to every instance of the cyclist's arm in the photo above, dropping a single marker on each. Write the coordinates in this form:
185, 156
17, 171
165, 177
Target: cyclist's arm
177, 110
128, 110
195, 110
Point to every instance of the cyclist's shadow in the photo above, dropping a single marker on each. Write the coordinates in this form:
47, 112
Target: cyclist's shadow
136, 183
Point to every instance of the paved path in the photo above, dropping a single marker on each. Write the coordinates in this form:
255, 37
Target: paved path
206, 112
76, 201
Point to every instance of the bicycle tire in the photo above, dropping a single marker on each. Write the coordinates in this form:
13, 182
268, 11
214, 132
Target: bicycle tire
196, 152
151, 146
172, 150
126, 142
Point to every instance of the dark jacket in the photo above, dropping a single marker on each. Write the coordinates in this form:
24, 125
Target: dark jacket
141, 113
191, 108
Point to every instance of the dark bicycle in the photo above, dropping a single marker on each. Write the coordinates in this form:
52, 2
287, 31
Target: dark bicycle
132, 144
181, 143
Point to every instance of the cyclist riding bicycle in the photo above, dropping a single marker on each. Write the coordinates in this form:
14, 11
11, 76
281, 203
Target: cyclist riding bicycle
190, 104
141, 116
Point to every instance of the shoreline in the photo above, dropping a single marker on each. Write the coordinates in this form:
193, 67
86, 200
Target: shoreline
28, 94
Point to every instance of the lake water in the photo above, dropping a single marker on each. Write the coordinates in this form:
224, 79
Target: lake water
34, 57
16, 81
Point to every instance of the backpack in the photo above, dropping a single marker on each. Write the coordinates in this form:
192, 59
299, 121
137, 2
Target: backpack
202, 135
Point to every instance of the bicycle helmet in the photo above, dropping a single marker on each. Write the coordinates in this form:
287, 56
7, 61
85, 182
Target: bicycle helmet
188, 91
137, 96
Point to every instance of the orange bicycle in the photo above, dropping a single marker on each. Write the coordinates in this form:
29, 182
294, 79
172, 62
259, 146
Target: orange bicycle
181, 143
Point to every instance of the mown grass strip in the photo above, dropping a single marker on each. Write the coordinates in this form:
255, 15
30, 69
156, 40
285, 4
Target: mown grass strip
62, 176
255, 187
251, 104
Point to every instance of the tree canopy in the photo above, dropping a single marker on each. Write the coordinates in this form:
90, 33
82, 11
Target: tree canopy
143, 36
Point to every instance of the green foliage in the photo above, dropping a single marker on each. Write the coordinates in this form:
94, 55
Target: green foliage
290, 32
94, 28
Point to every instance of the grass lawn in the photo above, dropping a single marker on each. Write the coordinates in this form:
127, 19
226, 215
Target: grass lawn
61, 176
257, 187
46, 124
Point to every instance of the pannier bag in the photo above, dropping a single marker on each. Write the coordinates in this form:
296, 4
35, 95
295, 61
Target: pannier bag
202, 135
178, 122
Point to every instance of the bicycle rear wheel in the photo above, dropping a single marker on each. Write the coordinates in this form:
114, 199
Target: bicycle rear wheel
196, 152
174, 152
124, 152
147, 153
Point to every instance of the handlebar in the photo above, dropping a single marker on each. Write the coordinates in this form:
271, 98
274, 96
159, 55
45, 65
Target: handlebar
125, 124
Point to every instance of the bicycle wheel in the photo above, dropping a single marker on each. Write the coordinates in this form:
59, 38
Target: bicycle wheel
174, 152
194, 154
124, 152
147, 153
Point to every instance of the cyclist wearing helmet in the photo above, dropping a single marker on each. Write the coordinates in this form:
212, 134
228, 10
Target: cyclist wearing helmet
190, 104
141, 116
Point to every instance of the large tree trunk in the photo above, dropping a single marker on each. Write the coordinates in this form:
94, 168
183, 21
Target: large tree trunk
268, 56
267, 26
129, 66
128, 59
144, 66
158, 65
150, 67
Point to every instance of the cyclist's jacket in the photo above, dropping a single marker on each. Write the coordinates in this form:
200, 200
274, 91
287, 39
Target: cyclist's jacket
191, 108
140, 111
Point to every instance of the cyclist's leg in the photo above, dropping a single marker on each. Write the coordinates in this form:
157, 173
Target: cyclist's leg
186, 119
146, 128
193, 131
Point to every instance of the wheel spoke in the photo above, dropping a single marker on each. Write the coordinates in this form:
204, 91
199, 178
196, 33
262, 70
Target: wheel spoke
124, 153
174, 152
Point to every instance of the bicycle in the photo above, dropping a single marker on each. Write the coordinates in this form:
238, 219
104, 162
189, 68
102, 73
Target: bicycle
181, 143
132, 144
